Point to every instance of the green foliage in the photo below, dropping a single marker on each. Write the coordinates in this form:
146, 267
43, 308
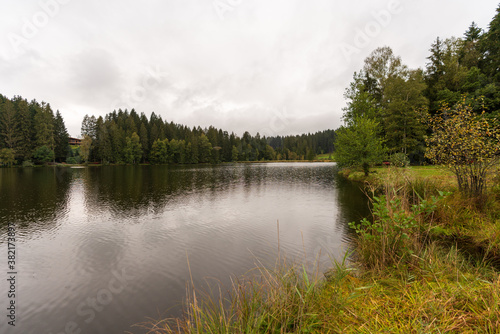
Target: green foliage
467, 65
204, 149
43, 154
61, 138
104, 142
24, 128
269, 153
359, 145
490, 45
466, 143
133, 149
399, 160
89, 127
177, 151
381, 66
85, 148
8, 125
73, 160
7, 157
403, 111
27, 163
361, 102
44, 126
387, 92
234, 153
389, 239
159, 151
143, 134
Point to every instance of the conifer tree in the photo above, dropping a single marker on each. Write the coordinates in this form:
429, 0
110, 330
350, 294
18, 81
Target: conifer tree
61, 138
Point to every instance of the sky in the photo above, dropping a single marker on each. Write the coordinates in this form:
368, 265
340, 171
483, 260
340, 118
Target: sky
275, 67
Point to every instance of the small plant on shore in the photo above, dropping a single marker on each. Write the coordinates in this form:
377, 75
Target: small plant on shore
392, 237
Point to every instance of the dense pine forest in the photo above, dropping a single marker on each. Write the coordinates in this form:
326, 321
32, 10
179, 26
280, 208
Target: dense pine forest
32, 133
391, 99
125, 136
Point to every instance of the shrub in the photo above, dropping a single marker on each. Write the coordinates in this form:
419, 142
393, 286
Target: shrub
393, 234
43, 154
400, 160
7, 157
466, 143
28, 163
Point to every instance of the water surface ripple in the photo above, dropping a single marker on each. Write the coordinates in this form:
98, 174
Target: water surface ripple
103, 248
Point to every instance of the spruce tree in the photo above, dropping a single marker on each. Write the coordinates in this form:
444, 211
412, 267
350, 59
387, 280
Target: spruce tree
61, 138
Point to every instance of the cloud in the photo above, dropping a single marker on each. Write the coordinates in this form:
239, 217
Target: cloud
94, 75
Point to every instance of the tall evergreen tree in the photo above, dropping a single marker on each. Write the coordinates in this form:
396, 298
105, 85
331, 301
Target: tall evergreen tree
61, 138
8, 125
105, 147
404, 113
89, 127
204, 149
24, 127
44, 126
143, 134
491, 49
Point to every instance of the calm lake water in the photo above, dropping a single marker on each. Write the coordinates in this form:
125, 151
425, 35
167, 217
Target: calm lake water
99, 249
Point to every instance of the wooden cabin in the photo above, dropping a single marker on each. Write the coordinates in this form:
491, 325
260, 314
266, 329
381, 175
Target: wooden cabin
75, 141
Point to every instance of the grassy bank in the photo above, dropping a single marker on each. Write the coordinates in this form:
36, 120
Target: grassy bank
325, 156
426, 262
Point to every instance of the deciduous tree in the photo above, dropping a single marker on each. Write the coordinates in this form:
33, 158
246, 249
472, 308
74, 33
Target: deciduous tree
359, 144
85, 148
7, 157
133, 149
43, 154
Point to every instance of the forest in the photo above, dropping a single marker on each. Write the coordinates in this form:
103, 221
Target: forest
128, 137
32, 133
389, 106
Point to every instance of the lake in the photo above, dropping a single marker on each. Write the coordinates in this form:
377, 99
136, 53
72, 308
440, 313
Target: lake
99, 249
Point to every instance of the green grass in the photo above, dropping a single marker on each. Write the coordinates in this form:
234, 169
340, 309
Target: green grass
325, 156
430, 264
438, 175
434, 172
442, 294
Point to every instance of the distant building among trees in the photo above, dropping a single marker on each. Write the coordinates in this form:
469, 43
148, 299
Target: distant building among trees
74, 141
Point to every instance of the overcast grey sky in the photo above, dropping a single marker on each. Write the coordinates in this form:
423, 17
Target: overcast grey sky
268, 66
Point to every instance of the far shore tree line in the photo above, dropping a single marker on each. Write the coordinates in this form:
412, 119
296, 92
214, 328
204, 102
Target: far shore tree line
30, 132
128, 137
446, 113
